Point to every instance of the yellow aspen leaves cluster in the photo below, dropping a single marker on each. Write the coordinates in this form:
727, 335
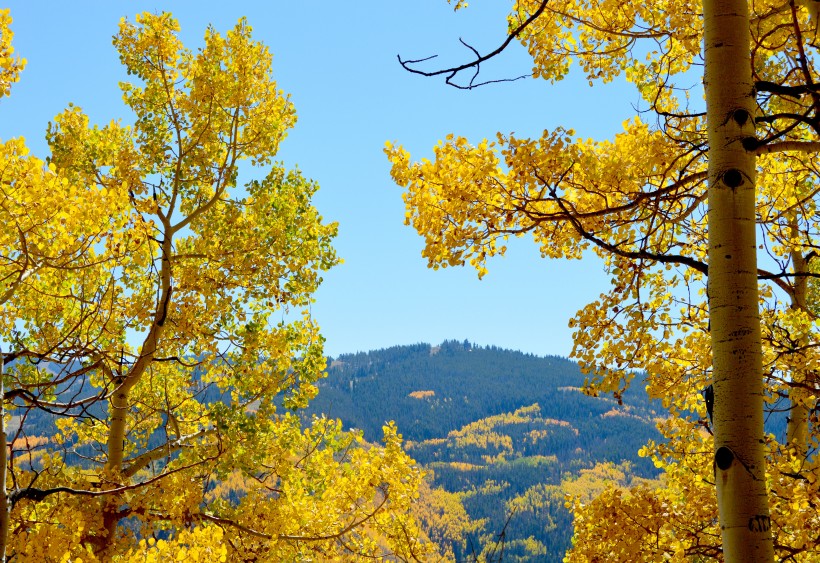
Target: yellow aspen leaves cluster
157, 333
444, 519
639, 201
10, 66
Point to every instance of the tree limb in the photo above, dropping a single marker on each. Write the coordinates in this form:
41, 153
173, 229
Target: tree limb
161, 451
452, 72
783, 90
789, 146
294, 537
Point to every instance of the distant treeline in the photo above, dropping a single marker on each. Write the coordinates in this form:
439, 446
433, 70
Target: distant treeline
506, 430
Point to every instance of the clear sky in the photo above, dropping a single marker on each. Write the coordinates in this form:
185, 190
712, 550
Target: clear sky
338, 62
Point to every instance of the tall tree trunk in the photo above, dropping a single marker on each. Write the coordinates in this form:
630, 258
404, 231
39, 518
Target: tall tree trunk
119, 402
5, 514
800, 401
740, 467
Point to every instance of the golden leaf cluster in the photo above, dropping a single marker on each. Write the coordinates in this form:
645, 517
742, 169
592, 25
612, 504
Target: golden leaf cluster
158, 311
638, 201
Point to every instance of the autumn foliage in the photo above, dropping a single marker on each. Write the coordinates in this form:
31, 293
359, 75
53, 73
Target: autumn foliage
639, 201
156, 312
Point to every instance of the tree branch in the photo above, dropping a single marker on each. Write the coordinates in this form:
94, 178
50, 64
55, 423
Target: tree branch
293, 537
631, 254
36, 494
789, 146
783, 90
452, 72
161, 451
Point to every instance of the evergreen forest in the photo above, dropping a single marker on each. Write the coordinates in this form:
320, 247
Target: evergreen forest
511, 434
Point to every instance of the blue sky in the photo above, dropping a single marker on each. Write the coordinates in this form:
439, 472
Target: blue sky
338, 62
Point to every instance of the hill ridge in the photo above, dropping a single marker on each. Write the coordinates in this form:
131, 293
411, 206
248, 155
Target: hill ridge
497, 428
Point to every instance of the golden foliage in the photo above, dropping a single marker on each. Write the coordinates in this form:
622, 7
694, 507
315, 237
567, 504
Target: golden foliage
443, 517
638, 201
142, 290
10, 66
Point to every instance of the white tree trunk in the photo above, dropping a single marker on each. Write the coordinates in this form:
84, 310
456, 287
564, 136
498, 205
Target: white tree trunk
740, 469
5, 513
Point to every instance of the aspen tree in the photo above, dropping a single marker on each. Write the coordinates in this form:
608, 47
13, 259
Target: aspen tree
672, 205
8, 74
740, 467
158, 314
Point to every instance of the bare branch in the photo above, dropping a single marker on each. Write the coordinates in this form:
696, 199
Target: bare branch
789, 146
161, 451
783, 90
452, 72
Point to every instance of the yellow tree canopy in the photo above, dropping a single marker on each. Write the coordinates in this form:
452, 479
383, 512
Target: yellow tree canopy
10, 66
158, 312
638, 200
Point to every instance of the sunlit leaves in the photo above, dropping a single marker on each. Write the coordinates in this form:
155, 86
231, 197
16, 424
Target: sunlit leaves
639, 202
10, 66
162, 312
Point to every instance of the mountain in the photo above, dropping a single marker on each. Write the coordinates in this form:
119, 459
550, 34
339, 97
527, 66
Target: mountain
509, 433
503, 436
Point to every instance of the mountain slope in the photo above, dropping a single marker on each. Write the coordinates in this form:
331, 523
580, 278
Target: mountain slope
504, 430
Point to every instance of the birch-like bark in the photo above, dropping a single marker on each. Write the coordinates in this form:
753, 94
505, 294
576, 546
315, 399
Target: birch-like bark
119, 402
800, 401
5, 514
740, 467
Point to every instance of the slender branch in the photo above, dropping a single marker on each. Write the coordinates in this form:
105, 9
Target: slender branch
783, 90
294, 537
572, 217
36, 494
641, 196
178, 360
11, 356
29, 398
232, 524
764, 275
453, 71
789, 146
25, 270
161, 451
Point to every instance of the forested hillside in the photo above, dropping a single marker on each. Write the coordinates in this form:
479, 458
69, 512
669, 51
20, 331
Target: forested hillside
504, 436
510, 433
